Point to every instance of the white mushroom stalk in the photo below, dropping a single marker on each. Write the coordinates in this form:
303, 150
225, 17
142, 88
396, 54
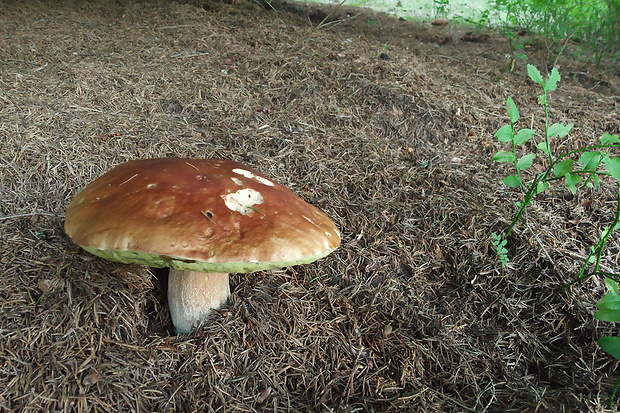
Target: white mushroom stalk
193, 295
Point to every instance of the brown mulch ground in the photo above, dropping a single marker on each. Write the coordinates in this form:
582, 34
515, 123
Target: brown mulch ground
385, 125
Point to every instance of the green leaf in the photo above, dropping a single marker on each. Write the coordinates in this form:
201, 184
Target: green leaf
609, 139
613, 166
513, 112
590, 160
504, 157
566, 130
564, 167
504, 134
557, 129
610, 345
605, 158
498, 240
605, 314
534, 74
512, 181
525, 161
611, 285
610, 301
552, 82
594, 182
541, 187
572, 180
523, 136
544, 146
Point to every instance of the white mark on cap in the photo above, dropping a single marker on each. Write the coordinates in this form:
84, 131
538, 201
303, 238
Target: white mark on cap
310, 221
237, 181
243, 172
250, 175
264, 181
242, 200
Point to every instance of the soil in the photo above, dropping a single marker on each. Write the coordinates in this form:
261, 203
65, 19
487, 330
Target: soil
384, 124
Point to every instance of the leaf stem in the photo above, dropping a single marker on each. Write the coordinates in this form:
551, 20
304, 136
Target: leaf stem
526, 201
514, 155
613, 393
546, 108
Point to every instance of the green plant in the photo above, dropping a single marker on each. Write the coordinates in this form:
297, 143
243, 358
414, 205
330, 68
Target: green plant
592, 25
442, 7
517, 46
577, 168
484, 19
609, 310
500, 246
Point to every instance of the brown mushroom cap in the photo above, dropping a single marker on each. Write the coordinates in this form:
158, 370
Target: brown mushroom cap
197, 214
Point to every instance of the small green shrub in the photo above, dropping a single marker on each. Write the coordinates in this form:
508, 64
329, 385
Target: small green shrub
575, 169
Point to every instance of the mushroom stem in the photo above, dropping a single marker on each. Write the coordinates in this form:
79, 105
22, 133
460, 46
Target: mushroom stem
192, 295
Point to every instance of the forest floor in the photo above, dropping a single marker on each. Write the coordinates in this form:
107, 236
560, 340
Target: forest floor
384, 124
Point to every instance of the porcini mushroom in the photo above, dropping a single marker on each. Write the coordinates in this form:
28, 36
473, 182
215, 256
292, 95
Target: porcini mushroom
203, 218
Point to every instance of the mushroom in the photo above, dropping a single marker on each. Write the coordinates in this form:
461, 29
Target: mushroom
203, 218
